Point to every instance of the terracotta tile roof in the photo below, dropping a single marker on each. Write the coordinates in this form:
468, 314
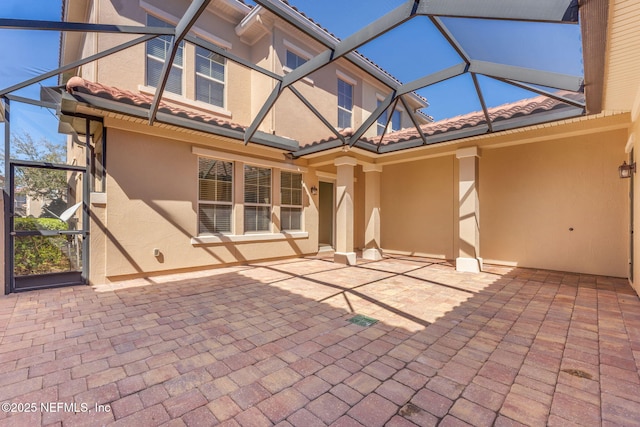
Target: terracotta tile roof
525, 107
78, 85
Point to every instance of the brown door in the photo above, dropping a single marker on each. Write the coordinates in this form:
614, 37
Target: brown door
326, 208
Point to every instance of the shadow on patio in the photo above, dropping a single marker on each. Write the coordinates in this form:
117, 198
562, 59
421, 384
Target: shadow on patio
271, 343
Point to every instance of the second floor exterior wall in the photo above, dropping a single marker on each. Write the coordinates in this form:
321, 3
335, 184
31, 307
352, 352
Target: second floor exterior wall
239, 92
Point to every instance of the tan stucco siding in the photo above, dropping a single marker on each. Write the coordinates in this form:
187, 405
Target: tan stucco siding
127, 69
417, 207
531, 196
152, 203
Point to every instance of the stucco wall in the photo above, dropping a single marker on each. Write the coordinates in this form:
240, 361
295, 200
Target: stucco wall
532, 195
152, 203
417, 207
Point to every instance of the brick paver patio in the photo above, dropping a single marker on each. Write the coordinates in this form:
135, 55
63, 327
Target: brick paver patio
270, 344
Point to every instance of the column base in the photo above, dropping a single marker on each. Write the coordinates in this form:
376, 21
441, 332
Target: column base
469, 265
373, 254
347, 258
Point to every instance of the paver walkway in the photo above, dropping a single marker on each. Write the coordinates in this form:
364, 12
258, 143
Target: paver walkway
270, 343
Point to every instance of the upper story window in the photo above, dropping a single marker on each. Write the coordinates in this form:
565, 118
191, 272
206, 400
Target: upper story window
395, 124
345, 104
210, 69
290, 201
257, 199
294, 60
215, 196
157, 52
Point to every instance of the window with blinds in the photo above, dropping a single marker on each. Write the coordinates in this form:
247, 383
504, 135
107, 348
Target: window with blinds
290, 200
157, 51
209, 77
215, 196
257, 199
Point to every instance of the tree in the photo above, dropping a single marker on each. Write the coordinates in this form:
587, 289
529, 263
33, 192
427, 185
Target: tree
49, 186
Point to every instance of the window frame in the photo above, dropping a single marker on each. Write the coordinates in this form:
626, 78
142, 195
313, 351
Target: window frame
217, 202
381, 124
150, 57
198, 75
257, 204
343, 108
291, 206
298, 58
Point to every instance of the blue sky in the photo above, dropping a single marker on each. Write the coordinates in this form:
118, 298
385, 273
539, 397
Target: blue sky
416, 49
31, 53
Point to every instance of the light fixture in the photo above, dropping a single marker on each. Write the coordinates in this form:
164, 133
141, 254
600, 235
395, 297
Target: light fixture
314, 190
625, 170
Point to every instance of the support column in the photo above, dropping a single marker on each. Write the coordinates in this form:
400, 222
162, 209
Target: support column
238, 198
372, 178
344, 253
469, 211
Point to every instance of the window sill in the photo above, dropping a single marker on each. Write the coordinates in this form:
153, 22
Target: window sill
179, 99
248, 238
98, 198
307, 80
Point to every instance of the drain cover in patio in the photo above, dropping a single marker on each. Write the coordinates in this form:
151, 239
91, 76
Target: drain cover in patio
361, 320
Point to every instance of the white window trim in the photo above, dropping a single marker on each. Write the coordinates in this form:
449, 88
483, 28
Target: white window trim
346, 78
352, 103
224, 83
180, 66
161, 14
181, 99
301, 53
380, 97
300, 206
213, 79
307, 80
399, 108
249, 238
252, 161
297, 50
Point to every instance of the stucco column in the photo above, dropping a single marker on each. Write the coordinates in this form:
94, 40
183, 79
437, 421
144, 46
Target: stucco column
344, 211
372, 177
469, 211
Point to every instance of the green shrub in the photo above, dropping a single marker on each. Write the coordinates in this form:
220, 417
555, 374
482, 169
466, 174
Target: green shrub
40, 254
32, 224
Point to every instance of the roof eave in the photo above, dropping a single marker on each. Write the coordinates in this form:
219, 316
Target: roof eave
70, 103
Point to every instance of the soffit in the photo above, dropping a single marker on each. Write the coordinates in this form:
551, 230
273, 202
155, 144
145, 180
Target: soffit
231, 10
622, 78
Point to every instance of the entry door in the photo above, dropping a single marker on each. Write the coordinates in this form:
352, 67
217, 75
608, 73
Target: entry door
326, 209
48, 226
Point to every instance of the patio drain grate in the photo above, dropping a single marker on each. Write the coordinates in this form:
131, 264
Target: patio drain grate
361, 320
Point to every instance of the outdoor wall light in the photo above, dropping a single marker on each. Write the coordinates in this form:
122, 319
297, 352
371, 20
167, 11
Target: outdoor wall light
314, 190
625, 170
